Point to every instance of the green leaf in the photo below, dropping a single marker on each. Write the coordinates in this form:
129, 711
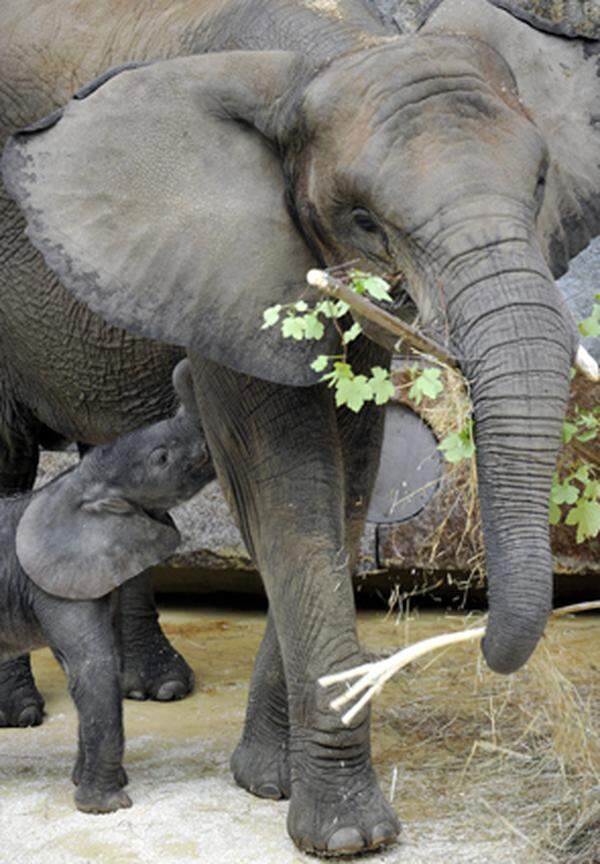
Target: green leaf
458, 445
301, 306
314, 328
353, 333
564, 493
340, 370
340, 309
377, 287
271, 316
329, 309
587, 436
592, 490
586, 516
427, 383
582, 474
590, 326
555, 513
381, 385
353, 392
293, 327
569, 430
325, 308
320, 364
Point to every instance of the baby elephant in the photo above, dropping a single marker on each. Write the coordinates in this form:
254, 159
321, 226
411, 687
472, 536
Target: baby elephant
65, 547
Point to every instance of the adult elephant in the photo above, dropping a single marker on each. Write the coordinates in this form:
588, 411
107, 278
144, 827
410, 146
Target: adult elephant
65, 375
181, 198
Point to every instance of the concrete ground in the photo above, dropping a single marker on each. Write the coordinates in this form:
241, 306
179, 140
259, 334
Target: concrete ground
186, 805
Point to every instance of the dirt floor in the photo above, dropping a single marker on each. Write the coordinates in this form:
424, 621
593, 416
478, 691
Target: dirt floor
476, 765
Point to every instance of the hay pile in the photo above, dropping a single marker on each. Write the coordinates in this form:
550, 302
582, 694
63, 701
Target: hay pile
515, 758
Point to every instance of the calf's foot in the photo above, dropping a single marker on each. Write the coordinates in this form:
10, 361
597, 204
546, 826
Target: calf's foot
21, 703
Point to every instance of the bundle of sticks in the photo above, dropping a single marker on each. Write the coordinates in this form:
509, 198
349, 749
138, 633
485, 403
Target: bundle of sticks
373, 676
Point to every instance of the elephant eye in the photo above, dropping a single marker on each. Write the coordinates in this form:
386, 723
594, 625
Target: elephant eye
540, 189
159, 457
365, 221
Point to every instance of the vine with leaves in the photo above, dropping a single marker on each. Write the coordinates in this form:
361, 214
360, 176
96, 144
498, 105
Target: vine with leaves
575, 496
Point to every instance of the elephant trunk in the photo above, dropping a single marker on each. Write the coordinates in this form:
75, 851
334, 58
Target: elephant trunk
515, 340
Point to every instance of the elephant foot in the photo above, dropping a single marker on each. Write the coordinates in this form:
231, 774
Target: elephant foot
264, 770
155, 670
91, 800
348, 815
21, 703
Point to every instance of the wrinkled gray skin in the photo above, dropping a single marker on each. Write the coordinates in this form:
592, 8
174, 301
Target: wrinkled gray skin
158, 199
66, 547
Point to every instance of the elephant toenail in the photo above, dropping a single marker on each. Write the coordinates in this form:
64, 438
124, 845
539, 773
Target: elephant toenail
269, 790
136, 694
171, 690
346, 840
29, 716
124, 800
384, 833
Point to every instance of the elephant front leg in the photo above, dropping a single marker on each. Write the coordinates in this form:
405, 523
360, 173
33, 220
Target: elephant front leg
278, 455
260, 762
152, 668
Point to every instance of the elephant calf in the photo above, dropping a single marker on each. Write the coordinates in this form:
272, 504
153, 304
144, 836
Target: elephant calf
68, 545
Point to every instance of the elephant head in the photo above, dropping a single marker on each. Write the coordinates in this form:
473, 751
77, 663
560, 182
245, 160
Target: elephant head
98, 525
182, 198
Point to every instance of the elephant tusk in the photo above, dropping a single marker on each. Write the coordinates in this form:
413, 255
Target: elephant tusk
373, 676
585, 363
337, 290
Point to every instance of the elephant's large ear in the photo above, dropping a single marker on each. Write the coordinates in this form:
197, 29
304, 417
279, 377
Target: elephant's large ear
80, 541
559, 86
158, 199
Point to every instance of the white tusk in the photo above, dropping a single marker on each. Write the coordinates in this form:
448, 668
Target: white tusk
586, 364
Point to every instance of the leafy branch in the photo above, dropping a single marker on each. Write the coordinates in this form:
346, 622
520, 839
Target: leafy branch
575, 496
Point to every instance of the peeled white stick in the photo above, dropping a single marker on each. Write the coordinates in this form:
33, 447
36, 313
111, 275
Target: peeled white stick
372, 676
376, 674
586, 364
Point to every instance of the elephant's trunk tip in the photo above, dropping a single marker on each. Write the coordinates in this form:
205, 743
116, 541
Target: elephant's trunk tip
506, 655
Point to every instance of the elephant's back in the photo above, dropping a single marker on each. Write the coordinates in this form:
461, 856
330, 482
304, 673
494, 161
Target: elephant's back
81, 377
50, 48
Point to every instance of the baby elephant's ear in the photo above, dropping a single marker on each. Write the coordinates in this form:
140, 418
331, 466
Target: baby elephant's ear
81, 543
